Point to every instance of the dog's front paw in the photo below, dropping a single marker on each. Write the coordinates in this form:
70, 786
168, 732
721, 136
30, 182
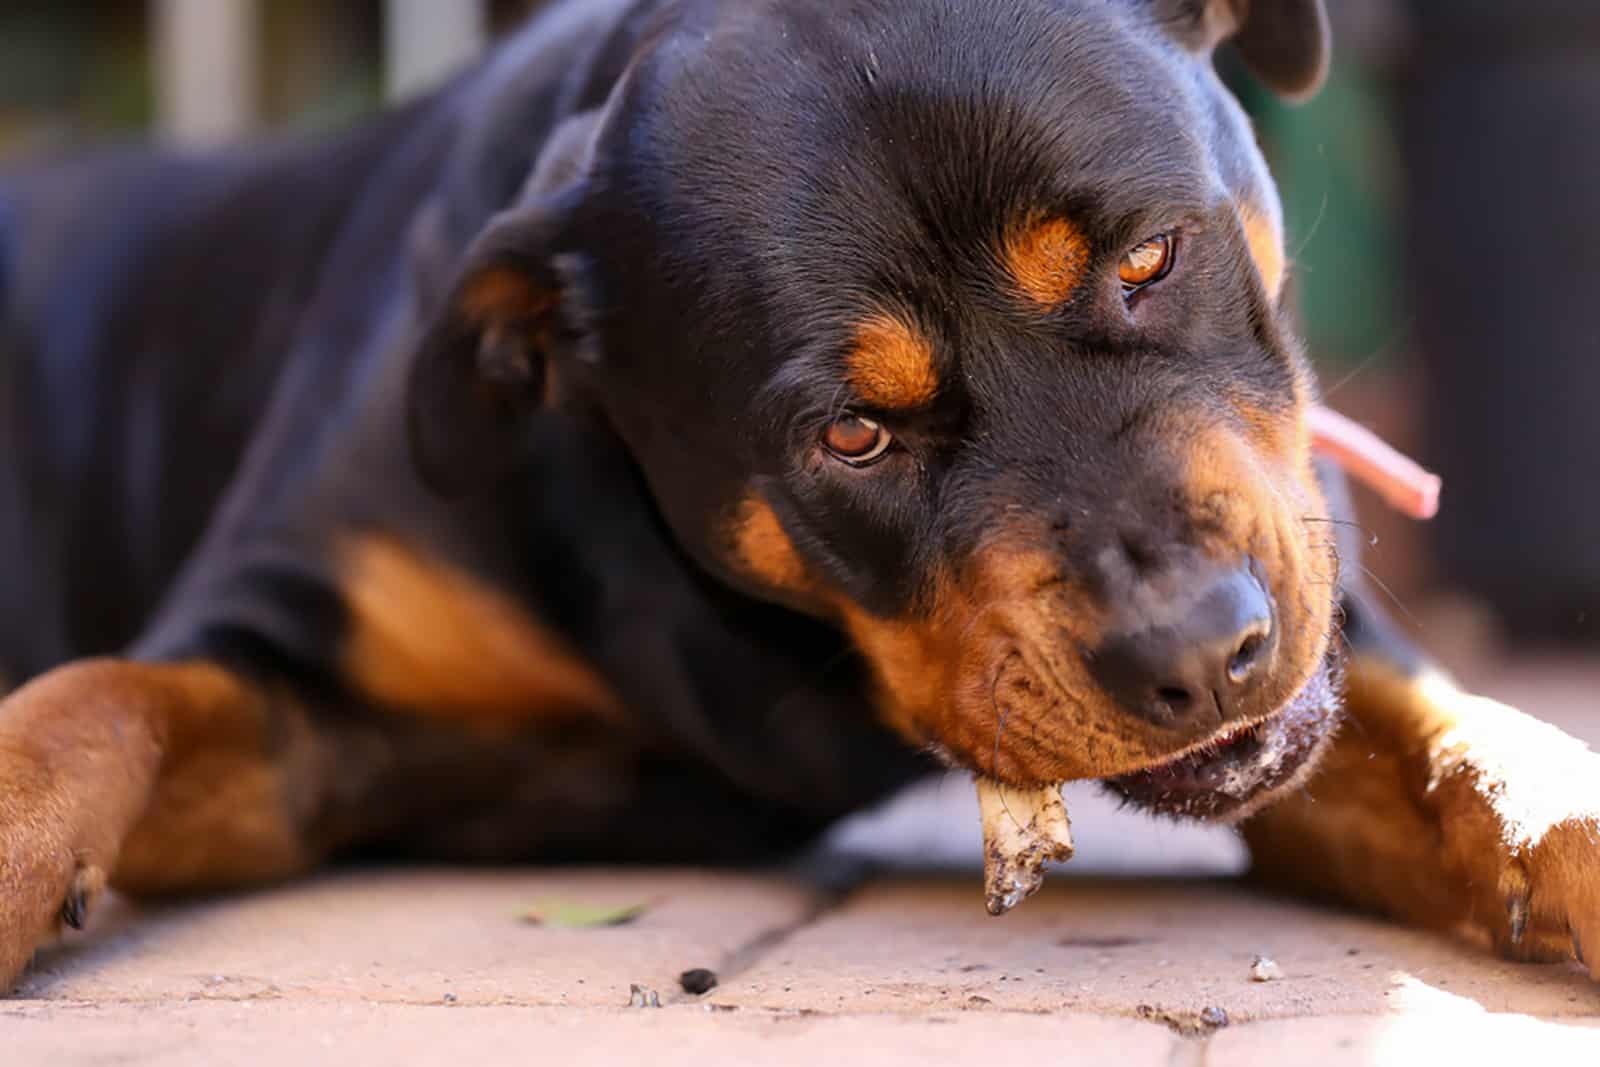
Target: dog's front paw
1518, 804
1550, 892
50, 874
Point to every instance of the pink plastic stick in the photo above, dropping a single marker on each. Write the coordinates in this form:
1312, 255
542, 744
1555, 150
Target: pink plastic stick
1366, 457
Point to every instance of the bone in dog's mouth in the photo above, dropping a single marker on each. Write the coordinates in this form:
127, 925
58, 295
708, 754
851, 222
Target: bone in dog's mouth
1023, 829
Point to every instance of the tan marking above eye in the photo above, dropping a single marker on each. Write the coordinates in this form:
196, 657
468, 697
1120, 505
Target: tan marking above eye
891, 365
1047, 258
1265, 239
1148, 262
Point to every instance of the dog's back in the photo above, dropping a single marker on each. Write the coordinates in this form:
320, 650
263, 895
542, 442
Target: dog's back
153, 304
148, 304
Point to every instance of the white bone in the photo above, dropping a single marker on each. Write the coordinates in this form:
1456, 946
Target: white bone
1023, 829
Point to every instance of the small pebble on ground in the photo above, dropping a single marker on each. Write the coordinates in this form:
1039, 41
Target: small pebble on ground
1265, 969
698, 982
640, 997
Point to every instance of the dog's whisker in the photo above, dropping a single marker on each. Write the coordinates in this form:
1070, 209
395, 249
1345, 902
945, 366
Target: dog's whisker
1394, 598
999, 714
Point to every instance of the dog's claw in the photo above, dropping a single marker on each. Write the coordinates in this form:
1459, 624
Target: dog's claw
87, 885
75, 910
1518, 892
1517, 913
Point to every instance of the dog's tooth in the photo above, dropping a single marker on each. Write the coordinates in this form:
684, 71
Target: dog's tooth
1023, 829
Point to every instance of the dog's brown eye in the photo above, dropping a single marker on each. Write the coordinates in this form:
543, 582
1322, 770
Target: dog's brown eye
856, 440
1148, 263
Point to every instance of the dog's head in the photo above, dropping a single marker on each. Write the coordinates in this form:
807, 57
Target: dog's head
957, 322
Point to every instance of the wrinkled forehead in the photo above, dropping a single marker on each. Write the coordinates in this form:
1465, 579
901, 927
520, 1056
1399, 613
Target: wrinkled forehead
850, 143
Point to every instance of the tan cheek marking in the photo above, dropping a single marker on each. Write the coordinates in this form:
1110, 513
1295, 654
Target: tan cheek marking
1280, 435
1017, 572
903, 656
762, 550
922, 667
912, 677
1239, 487
428, 639
1265, 238
892, 365
909, 670
1047, 260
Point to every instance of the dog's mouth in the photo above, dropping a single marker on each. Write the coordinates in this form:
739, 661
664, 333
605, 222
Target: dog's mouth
1239, 771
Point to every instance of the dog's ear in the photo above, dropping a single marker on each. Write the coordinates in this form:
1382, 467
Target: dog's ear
481, 370
1285, 43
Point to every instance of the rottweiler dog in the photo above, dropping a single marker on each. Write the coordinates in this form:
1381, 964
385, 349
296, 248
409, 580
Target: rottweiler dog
688, 428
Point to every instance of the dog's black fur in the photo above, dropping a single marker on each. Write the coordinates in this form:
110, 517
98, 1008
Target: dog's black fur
568, 333
205, 359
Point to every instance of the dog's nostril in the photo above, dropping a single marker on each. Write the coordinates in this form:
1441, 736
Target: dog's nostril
1244, 661
1175, 697
1139, 552
1204, 667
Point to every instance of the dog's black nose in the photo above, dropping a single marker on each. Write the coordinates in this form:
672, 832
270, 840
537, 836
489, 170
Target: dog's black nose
1197, 670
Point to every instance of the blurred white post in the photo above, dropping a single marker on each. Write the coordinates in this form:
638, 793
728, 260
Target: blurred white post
207, 68
426, 41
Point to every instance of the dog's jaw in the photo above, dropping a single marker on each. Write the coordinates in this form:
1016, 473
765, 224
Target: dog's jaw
1239, 772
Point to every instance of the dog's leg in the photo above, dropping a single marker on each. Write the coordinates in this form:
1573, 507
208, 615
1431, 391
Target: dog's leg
1445, 810
152, 777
